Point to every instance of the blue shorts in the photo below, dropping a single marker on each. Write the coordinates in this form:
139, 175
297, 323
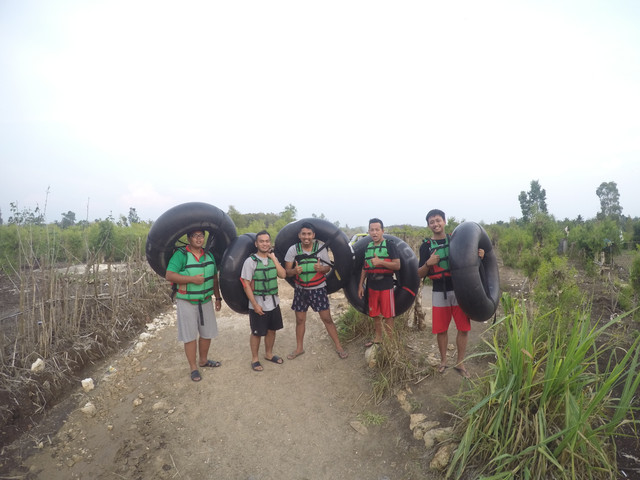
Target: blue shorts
317, 299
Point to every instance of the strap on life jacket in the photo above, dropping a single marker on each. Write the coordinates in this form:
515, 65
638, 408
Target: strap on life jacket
174, 286
382, 252
442, 268
208, 254
309, 277
265, 291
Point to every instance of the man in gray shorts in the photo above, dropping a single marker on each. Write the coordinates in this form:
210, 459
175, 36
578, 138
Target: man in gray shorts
195, 273
259, 277
308, 261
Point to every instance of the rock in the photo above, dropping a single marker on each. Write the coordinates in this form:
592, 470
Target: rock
87, 384
144, 336
139, 347
402, 400
443, 456
38, 365
415, 419
89, 409
359, 427
436, 435
137, 402
370, 356
161, 405
422, 428
432, 360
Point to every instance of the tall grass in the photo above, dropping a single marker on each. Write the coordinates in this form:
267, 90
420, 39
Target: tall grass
548, 408
67, 316
395, 364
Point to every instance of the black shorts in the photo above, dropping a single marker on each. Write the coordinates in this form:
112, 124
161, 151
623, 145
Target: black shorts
271, 320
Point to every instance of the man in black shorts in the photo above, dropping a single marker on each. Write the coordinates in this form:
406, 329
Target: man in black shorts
259, 277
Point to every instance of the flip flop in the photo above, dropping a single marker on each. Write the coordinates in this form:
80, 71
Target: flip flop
211, 363
463, 372
275, 359
371, 343
343, 354
293, 355
256, 367
442, 368
195, 376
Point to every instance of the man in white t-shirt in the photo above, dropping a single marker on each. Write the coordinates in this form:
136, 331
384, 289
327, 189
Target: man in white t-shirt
308, 262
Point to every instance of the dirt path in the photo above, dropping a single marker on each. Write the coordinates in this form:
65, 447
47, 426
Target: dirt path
291, 421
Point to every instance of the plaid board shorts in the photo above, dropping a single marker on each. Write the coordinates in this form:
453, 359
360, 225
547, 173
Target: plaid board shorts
316, 298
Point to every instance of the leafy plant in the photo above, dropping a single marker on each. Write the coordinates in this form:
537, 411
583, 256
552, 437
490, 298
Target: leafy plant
370, 418
547, 409
555, 286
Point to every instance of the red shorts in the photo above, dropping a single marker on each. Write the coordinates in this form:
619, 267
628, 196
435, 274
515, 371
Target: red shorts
382, 302
442, 309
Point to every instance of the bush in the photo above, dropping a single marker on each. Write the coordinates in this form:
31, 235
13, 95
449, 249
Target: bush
555, 286
513, 242
634, 273
547, 409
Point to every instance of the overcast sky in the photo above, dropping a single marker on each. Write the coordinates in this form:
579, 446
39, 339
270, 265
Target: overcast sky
350, 109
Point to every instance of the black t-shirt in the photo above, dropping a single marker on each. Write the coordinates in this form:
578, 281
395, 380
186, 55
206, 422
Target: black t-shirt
379, 281
439, 284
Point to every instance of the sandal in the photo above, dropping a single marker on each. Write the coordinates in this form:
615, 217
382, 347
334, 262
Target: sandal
275, 359
211, 363
257, 367
343, 354
442, 368
195, 376
462, 371
371, 343
293, 355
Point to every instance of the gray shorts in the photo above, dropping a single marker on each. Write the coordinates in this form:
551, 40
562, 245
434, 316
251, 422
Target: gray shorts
189, 324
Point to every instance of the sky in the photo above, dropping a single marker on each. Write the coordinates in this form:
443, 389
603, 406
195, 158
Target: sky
347, 109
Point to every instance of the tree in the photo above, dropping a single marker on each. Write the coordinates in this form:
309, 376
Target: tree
236, 217
609, 200
26, 216
533, 201
289, 213
1, 221
68, 219
133, 216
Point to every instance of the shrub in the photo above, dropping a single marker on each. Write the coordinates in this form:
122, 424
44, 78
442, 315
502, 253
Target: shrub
547, 409
555, 286
634, 273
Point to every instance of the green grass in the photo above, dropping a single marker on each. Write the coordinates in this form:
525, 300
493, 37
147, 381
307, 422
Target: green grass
370, 418
546, 410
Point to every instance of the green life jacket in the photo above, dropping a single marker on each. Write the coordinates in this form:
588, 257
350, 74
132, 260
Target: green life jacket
206, 267
265, 278
379, 250
309, 277
442, 268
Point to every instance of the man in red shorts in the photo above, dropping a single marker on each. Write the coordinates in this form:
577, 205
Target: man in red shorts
380, 261
434, 263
